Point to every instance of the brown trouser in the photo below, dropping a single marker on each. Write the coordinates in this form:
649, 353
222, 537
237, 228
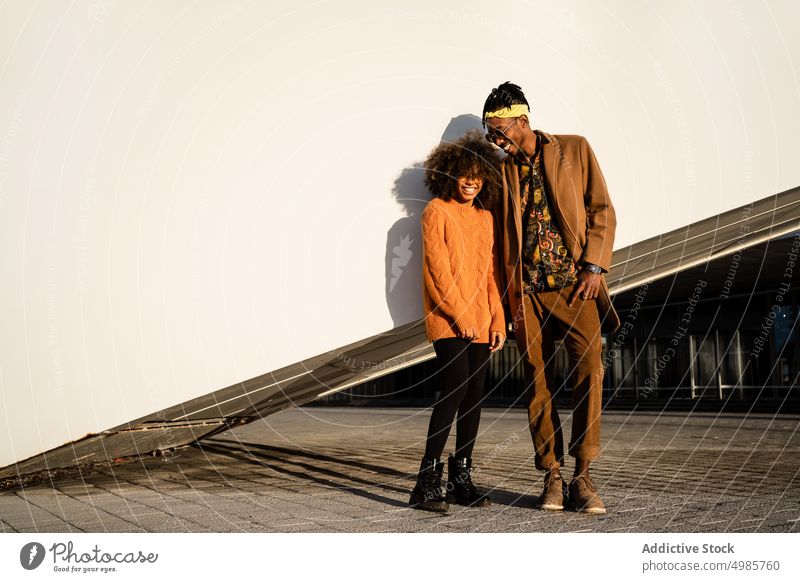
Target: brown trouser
549, 318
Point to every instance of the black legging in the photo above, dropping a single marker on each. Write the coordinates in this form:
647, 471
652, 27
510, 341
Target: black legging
461, 376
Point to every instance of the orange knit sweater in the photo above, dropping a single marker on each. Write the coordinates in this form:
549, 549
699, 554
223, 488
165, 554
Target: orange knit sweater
460, 269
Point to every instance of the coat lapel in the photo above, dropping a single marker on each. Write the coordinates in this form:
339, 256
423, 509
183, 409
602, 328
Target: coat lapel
551, 156
513, 210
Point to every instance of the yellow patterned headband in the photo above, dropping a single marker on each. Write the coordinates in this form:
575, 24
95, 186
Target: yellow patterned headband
515, 110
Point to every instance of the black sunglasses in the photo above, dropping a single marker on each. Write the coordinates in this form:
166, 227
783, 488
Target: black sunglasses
492, 135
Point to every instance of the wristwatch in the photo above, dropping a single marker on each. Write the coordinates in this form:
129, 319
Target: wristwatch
592, 268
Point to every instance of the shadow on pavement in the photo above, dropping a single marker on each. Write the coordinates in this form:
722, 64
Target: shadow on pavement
314, 468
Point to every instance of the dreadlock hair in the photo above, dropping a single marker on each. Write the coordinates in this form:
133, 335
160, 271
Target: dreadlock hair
468, 155
505, 95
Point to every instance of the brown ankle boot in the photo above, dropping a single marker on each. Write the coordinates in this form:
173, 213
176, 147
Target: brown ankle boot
583, 496
552, 498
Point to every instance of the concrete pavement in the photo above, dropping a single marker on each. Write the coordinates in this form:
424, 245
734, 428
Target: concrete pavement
321, 469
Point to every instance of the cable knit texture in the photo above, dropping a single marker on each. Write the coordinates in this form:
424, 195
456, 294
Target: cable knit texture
460, 269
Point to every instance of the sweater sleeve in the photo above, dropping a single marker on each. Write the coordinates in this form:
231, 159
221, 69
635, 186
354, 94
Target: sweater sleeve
437, 274
493, 287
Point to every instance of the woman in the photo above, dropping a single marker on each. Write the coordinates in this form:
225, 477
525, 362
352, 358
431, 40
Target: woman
463, 312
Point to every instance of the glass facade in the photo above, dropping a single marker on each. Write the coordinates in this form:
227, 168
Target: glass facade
734, 349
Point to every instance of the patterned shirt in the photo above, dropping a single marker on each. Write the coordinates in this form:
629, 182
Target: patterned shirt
546, 264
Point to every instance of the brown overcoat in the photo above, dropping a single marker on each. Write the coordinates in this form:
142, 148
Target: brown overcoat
579, 203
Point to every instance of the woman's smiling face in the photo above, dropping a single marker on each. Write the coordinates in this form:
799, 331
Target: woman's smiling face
469, 185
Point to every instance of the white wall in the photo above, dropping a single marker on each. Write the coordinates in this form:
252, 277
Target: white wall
195, 193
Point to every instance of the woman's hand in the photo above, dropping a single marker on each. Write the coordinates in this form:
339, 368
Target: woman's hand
496, 341
470, 333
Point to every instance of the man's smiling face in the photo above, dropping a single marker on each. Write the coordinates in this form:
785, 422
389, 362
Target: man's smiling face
504, 133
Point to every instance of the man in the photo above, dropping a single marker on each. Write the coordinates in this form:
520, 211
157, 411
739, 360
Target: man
556, 232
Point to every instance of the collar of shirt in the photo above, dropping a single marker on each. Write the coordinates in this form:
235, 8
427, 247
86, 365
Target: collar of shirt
540, 141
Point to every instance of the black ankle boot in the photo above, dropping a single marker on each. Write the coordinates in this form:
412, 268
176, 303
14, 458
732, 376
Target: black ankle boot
460, 488
428, 493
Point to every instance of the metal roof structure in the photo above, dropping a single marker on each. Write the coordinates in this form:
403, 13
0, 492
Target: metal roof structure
704, 241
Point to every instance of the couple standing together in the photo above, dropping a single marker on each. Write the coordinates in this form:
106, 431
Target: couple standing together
534, 231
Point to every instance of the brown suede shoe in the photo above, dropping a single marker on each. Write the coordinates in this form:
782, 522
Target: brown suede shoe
583, 496
552, 498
